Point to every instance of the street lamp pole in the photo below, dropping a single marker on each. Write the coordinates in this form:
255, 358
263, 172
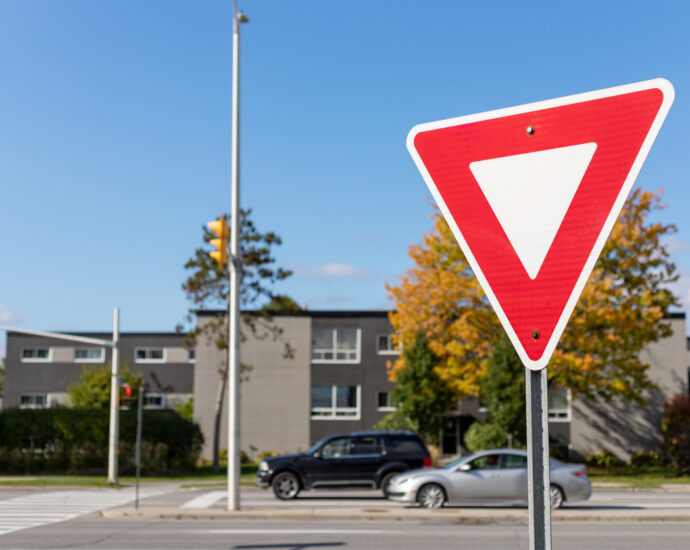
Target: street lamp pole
235, 266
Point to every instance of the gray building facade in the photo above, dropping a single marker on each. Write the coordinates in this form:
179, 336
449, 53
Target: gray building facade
332, 381
311, 374
39, 370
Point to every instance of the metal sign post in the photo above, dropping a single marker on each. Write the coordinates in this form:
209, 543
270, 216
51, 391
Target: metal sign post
137, 447
538, 471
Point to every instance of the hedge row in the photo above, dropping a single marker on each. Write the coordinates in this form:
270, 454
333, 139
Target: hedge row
75, 440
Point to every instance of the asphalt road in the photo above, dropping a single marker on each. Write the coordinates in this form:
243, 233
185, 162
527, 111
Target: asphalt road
69, 518
93, 532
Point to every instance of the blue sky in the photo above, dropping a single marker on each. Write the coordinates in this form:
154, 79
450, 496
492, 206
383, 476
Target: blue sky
115, 134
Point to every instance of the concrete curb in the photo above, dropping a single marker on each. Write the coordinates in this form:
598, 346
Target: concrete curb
450, 515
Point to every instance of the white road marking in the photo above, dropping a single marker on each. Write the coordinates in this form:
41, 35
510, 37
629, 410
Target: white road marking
55, 506
206, 500
298, 531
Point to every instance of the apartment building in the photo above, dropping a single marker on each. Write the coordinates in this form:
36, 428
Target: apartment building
311, 374
38, 370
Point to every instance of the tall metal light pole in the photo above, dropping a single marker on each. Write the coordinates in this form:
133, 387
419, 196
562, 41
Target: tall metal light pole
235, 266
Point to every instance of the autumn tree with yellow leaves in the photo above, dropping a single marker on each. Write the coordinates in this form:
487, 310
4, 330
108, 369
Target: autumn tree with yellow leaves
622, 309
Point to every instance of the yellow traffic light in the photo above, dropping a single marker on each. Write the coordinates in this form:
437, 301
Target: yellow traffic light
220, 228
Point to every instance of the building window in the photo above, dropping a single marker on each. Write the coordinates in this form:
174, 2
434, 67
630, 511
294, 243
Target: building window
384, 345
32, 400
559, 404
149, 355
384, 401
335, 402
154, 401
337, 345
89, 355
191, 355
36, 355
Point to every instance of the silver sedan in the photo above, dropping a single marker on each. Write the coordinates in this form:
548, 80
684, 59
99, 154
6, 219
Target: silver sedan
488, 477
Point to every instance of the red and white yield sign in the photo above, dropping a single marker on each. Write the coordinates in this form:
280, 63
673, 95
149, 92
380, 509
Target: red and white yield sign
532, 192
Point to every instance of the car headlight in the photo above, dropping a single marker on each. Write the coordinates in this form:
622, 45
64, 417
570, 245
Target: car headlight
263, 466
401, 480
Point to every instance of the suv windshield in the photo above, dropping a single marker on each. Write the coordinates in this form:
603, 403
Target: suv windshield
317, 446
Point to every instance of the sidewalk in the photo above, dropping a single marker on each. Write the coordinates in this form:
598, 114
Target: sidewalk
450, 514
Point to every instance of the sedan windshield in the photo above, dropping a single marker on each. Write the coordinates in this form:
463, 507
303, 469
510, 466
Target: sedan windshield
455, 463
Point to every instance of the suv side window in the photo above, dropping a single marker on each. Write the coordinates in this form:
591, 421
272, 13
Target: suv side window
336, 447
365, 445
404, 445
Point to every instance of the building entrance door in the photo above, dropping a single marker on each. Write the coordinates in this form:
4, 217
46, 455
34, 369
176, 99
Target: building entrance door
450, 436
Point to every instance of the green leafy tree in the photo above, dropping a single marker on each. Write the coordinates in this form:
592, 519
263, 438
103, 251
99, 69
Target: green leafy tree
502, 391
420, 393
207, 287
92, 390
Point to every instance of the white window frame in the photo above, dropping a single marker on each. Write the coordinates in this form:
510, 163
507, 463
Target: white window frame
100, 360
390, 350
147, 348
191, 355
154, 407
333, 350
48, 359
45, 396
562, 415
387, 408
331, 413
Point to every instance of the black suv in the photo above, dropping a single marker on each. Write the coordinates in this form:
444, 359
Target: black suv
360, 459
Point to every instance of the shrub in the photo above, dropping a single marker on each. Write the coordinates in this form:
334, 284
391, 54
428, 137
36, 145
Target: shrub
603, 459
76, 440
675, 427
485, 436
266, 454
646, 459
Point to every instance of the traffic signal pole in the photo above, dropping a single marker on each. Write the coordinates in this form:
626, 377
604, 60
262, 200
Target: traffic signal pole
114, 381
114, 434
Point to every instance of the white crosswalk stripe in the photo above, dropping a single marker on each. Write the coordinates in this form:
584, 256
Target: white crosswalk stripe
206, 500
52, 507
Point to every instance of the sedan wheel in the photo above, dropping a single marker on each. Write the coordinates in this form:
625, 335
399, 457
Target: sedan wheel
386, 481
556, 497
286, 486
431, 496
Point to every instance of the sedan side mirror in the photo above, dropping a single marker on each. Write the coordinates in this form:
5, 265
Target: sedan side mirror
316, 454
464, 468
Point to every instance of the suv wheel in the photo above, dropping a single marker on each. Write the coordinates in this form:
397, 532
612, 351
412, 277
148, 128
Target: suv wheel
285, 485
386, 481
431, 496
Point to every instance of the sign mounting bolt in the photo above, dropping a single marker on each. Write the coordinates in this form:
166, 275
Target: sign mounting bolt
534, 334
530, 130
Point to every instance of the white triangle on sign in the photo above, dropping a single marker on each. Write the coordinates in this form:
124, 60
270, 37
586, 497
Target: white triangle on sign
530, 195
